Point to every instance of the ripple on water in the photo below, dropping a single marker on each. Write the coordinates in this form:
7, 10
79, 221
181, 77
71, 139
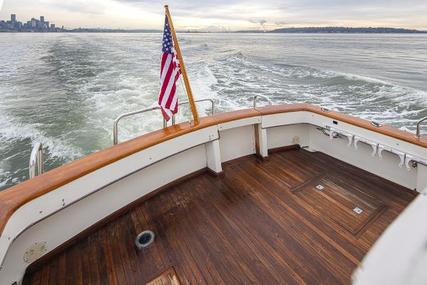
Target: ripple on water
66, 90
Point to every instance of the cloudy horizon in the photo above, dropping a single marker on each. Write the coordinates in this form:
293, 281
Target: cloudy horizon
223, 15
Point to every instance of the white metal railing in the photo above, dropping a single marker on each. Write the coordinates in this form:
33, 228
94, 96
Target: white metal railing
419, 125
263, 97
117, 120
36, 160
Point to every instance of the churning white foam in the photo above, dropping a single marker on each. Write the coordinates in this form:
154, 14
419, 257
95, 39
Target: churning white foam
12, 130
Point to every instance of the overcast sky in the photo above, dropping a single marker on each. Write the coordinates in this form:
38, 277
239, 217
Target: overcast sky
223, 14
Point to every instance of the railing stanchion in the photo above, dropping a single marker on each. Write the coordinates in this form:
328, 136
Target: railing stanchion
261, 96
419, 126
36, 166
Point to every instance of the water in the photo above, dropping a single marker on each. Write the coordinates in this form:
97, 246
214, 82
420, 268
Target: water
64, 90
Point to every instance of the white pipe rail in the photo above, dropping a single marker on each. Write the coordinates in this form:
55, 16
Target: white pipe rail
36, 161
419, 125
263, 97
117, 120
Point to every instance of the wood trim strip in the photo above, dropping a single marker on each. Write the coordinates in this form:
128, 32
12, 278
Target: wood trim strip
15, 197
284, 148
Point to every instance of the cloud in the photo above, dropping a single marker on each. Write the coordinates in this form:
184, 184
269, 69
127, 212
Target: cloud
261, 22
79, 6
225, 14
255, 21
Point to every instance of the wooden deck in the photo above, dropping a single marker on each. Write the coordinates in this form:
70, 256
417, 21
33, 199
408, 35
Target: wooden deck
260, 223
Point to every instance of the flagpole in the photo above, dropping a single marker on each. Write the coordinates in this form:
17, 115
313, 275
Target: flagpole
183, 70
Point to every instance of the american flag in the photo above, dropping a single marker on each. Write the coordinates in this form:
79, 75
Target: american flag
169, 74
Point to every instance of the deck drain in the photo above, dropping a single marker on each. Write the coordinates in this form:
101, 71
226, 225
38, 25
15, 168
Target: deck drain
320, 187
144, 239
357, 210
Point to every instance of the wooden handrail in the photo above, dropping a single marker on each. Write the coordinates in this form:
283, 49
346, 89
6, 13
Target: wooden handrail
13, 198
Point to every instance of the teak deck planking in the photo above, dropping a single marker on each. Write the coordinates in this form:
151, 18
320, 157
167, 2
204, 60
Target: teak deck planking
261, 222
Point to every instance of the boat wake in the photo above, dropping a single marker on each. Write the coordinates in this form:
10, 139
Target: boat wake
239, 79
66, 90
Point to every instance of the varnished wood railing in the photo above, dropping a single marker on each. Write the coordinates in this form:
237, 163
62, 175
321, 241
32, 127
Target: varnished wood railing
15, 197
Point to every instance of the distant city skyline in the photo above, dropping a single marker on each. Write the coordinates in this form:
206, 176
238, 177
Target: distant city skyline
43, 25
222, 15
32, 25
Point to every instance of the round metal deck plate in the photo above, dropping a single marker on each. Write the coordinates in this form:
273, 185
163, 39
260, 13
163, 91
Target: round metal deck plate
144, 239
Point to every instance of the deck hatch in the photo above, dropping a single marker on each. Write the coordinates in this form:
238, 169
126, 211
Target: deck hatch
340, 202
168, 277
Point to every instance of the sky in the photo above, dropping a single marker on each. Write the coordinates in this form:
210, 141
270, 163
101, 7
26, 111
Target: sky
222, 15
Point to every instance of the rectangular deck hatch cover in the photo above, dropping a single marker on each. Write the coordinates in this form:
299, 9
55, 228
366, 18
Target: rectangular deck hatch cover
341, 202
168, 277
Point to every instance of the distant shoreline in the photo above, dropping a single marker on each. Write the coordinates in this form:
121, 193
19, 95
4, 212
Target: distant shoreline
348, 30
305, 30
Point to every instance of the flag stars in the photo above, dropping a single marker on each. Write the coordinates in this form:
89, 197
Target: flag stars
167, 39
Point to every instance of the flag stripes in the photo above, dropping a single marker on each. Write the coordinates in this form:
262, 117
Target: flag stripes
169, 75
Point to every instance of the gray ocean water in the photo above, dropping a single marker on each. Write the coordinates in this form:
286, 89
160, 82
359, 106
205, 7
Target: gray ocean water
65, 90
